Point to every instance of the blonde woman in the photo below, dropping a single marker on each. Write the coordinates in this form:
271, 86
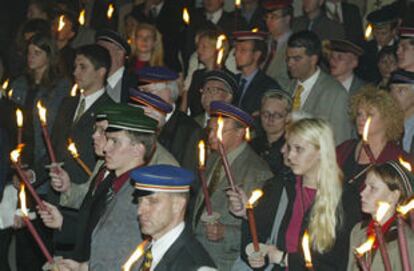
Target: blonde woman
307, 198
147, 49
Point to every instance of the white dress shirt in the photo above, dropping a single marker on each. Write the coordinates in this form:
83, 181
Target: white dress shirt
307, 86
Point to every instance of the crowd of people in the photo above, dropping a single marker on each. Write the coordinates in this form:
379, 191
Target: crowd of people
311, 101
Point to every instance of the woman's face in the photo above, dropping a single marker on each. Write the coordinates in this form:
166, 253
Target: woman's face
36, 58
145, 41
377, 126
376, 191
303, 157
386, 65
206, 50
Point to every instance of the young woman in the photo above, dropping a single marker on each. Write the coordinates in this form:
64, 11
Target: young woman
392, 183
309, 199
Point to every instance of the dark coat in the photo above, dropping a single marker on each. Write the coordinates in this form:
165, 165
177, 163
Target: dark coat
4, 159
325, 28
352, 22
252, 98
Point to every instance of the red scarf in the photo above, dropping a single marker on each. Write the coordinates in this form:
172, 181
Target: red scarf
384, 228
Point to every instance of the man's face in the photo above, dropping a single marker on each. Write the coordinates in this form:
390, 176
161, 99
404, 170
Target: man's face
214, 90
120, 152
230, 133
300, 65
156, 213
164, 93
276, 22
212, 5
273, 114
404, 94
309, 6
384, 34
86, 76
244, 54
342, 63
99, 137
405, 55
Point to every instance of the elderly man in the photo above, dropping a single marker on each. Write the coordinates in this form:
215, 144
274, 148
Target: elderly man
343, 60
222, 238
162, 193
313, 90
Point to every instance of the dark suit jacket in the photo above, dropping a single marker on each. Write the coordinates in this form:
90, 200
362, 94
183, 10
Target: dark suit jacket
80, 132
356, 84
4, 159
325, 28
352, 23
253, 95
180, 136
186, 253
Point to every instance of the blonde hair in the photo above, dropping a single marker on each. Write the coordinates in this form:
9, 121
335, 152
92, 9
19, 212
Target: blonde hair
212, 36
157, 55
389, 109
326, 213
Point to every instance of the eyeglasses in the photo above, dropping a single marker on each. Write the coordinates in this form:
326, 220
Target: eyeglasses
274, 116
212, 90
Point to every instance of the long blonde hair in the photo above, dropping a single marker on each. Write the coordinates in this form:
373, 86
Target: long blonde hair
157, 55
326, 213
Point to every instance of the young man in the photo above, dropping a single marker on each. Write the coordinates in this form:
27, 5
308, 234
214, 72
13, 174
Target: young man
162, 193
313, 90
405, 51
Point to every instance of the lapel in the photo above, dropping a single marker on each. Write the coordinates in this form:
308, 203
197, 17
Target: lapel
171, 255
90, 113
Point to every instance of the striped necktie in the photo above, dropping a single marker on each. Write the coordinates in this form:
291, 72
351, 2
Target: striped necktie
297, 98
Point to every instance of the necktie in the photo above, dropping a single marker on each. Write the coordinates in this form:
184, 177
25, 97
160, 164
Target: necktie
297, 98
81, 110
146, 264
242, 90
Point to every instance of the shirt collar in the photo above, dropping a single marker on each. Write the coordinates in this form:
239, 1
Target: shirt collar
215, 16
115, 77
348, 82
169, 115
90, 99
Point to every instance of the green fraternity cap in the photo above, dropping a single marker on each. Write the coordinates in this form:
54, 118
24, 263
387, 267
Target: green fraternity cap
129, 118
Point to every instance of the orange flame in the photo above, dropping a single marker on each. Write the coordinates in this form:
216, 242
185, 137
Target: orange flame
220, 124
19, 118
306, 250
237, 3
22, 197
404, 163
42, 112
110, 11
382, 210
74, 90
202, 153
368, 32
15, 154
10, 93
5, 84
186, 16
365, 247
139, 251
72, 149
254, 30
247, 135
220, 56
256, 194
62, 23
404, 209
366, 129
81, 18
219, 42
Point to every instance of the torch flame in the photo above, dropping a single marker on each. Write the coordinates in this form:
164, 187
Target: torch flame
22, 197
306, 249
19, 118
237, 3
404, 209
10, 93
220, 124
219, 42
404, 163
202, 153
72, 149
73, 90
15, 154
368, 32
81, 18
382, 210
247, 135
365, 247
220, 56
254, 30
186, 16
366, 129
61, 24
256, 194
5, 84
139, 251
42, 112
110, 11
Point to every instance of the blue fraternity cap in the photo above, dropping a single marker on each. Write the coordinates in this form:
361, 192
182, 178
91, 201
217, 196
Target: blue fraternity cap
402, 77
228, 110
156, 74
148, 99
161, 178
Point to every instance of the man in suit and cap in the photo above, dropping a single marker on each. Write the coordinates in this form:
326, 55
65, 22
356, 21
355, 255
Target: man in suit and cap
313, 90
162, 194
119, 80
223, 237
343, 60
278, 17
180, 133
405, 51
250, 51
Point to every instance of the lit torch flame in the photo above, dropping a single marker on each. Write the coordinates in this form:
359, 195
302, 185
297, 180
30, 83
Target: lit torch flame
220, 124
365, 247
110, 11
404, 163
139, 251
404, 209
237, 3
382, 210
186, 16
15, 154
61, 24
256, 194
254, 30
42, 112
368, 32
81, 18
10, 93
366, 129
5, 84
74, 89
202, 153
306, 250
22, 197
19, 118
247, 135
219, 42
220, 56
72, 149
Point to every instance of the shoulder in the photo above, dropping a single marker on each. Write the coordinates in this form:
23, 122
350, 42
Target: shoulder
184, 120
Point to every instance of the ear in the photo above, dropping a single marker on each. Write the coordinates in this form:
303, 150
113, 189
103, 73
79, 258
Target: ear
257, 55
102, 72
395, 197
178, 204
139, 150
314, 59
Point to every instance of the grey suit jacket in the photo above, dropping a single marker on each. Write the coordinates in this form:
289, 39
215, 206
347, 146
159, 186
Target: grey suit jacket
328, 99
356, 84
277, 67
250, 172
325, 28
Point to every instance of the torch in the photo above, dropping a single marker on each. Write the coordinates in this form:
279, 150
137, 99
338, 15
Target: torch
360, 251
43, 123
229, 175
72, 149
306, 251
136, 255
219, 50
19, 120
382, 210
